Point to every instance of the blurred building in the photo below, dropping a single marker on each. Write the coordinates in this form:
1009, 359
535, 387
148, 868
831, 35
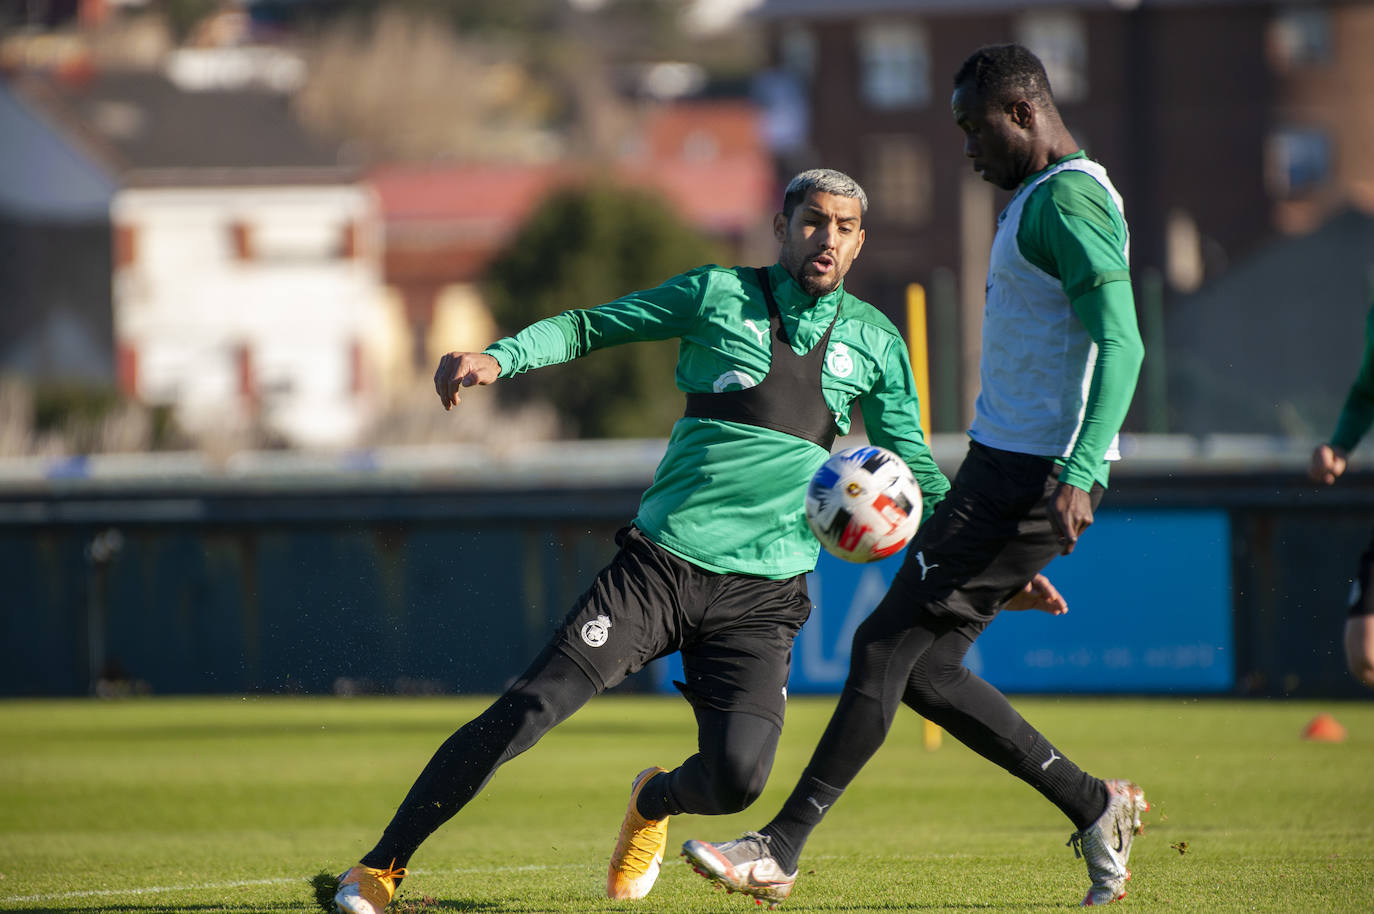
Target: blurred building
228, 263
1225, 124
55, 272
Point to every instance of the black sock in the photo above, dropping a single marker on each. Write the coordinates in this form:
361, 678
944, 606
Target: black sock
1079, 795
654, 800
803, 811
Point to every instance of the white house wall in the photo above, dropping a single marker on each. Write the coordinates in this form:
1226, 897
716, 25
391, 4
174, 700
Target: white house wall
191, 310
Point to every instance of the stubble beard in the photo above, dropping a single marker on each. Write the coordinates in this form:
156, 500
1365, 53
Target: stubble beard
813, 286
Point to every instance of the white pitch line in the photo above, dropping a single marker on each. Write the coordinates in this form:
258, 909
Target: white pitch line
210, 886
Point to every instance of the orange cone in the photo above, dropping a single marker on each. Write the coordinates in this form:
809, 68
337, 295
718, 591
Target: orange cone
1324, 729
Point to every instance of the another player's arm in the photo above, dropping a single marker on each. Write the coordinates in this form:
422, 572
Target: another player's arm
1076, 234
1329, 459
659, 313
892, 419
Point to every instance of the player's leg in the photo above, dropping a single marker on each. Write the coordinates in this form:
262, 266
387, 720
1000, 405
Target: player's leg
1359, 647
736, 657
1359, 627
550, 690
1105, 813
966, 534
559, 681
736, 665
727, 773
943, 690
764, 863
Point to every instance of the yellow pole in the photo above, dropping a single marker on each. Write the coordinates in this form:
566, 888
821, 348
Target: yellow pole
916, 346
916, 341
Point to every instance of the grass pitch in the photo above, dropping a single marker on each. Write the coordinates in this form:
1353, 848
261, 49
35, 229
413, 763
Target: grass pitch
154, 806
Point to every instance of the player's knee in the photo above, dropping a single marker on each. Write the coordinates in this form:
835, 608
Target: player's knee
1359, 648
736, 784
928, 688
737, 792
1362, 668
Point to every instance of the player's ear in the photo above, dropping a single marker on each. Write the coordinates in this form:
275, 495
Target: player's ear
1022, 113
779, 227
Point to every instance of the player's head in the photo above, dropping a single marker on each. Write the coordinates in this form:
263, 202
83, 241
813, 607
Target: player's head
820, 228
1002, 102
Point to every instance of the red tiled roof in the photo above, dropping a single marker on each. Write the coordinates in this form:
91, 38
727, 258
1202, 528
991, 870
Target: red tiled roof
707, 159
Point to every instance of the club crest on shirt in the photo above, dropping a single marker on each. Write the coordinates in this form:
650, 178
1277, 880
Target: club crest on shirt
732, 380
839, 361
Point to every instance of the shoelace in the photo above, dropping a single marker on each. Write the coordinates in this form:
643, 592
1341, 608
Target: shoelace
392, 872
642, 856
1076, 842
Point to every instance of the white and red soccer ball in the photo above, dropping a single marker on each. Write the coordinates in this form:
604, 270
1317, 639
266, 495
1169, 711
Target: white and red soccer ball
863, 504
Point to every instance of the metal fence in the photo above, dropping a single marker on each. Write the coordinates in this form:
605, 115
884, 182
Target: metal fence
443, 570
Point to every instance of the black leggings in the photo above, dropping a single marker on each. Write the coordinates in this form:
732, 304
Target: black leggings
921, 665
735, 753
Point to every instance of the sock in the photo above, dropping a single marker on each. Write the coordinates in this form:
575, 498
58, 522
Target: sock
803, 811
1079, 795
654, 800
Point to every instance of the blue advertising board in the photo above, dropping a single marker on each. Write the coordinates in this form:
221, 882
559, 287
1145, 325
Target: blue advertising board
1149, 596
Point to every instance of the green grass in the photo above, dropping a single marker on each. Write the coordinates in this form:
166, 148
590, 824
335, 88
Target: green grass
233, 804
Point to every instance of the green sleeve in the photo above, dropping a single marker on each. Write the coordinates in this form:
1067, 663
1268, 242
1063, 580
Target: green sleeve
892, 419
1358, 413
1072, 229
1108, 311
660, 313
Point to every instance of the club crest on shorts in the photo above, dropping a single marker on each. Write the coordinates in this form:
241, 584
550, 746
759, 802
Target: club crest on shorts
596, 631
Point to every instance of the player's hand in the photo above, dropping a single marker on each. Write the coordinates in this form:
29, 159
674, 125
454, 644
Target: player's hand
1071, 512
463, 369
1039, 594
1327, 464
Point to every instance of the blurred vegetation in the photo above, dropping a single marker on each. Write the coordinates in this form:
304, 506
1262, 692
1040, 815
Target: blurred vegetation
581, 248
65, 418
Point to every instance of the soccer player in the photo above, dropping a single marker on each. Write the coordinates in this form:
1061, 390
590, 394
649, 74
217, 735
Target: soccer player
713, 565
1327, 464
1060, 358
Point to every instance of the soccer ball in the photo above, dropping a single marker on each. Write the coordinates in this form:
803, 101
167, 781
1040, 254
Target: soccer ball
863, 504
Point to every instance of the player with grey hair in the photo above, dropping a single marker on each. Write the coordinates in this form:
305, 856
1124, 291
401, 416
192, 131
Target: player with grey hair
826, 181
714, 564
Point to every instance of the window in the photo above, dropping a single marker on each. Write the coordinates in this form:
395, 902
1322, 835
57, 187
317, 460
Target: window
125, 245
1060, 40
894, 65
797, 52
1298, 160
898, 177
1300, 36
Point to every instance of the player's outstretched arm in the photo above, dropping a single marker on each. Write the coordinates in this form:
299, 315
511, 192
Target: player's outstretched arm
1327, 464
1039, 594
463, 369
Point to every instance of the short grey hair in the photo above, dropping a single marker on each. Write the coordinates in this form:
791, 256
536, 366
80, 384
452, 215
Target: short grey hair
826, 181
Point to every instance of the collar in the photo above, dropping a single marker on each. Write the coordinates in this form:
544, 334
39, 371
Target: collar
1080, 154
791, 298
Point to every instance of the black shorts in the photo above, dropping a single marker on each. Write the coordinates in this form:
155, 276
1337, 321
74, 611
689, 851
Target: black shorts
989, 536
734, 631
1361, 593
